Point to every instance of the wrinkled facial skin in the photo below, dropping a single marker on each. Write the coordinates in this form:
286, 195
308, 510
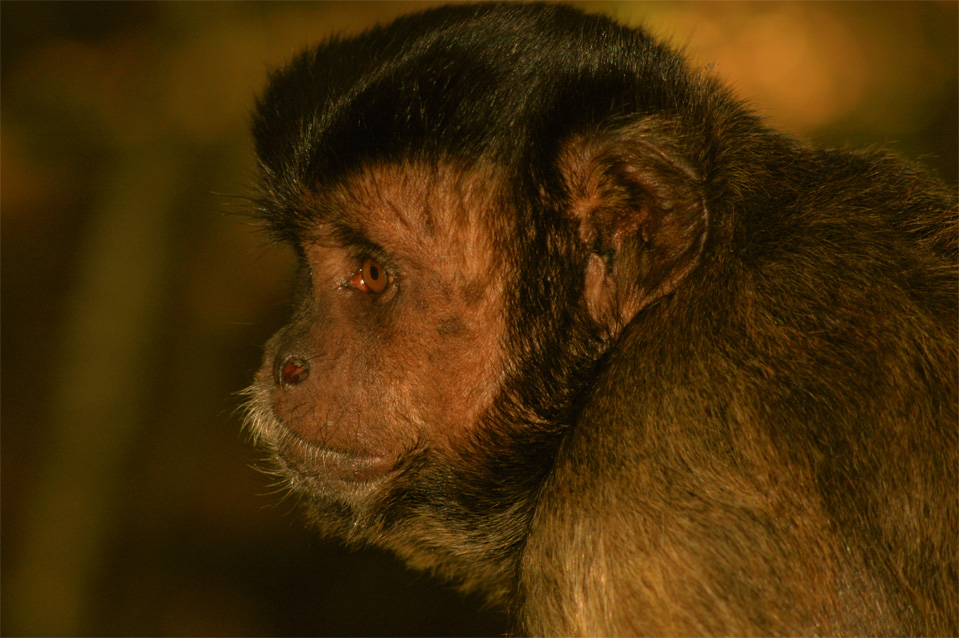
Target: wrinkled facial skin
394, 347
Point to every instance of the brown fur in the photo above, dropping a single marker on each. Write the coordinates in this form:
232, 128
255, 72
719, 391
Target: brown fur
642, 367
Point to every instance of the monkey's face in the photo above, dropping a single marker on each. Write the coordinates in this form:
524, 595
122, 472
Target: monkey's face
394, 349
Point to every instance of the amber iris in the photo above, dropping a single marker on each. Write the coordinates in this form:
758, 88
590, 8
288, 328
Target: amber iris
374, 277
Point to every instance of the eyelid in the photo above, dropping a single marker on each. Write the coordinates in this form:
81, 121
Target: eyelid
355, 240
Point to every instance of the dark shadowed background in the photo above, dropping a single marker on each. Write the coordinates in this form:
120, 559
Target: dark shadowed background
136, 296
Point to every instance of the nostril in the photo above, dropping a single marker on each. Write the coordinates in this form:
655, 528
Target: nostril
292, 371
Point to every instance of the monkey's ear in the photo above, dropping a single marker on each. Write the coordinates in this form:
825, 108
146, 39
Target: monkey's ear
641, 214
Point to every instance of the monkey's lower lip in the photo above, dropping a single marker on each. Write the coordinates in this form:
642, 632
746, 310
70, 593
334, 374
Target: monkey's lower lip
315, 461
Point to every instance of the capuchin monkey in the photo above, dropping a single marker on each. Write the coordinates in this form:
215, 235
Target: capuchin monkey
576, 330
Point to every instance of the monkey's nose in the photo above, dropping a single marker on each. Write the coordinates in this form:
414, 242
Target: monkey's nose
290, 371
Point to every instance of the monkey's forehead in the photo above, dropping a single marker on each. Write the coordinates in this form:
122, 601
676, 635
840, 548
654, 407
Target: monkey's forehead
499, 82
411, 198
408, 201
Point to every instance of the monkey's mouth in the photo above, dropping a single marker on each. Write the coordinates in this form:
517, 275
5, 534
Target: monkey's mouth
306, 460
319, 463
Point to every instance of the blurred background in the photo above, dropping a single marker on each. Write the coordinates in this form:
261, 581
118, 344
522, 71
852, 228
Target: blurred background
136, 296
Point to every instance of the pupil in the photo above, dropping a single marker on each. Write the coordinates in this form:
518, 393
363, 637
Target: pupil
374, 272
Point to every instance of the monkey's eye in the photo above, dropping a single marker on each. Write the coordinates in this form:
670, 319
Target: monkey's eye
371, 278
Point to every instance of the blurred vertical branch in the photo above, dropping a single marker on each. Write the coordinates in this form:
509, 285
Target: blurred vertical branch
98, 400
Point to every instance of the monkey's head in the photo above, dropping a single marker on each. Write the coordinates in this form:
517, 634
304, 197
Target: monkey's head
481, 199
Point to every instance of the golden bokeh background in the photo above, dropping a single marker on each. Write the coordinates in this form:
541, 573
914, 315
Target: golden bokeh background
135, 298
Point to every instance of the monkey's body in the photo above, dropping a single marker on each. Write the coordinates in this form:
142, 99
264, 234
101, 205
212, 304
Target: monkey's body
578, 331
795, 471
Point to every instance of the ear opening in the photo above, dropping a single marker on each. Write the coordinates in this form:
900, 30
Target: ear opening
640, 211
